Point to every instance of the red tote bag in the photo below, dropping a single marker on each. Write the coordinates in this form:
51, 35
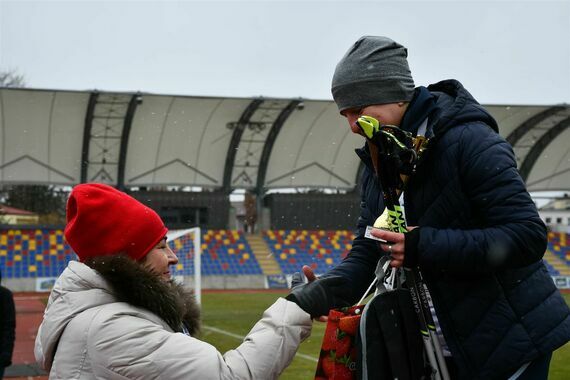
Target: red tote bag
337, 360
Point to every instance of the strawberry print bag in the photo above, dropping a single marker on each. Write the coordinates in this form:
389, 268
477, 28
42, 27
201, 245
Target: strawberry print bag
339, 351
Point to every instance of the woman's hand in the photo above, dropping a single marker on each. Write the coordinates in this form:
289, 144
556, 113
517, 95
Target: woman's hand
395, 246
298, 280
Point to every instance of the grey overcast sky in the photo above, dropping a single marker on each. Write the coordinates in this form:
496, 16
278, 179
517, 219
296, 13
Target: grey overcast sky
504, 52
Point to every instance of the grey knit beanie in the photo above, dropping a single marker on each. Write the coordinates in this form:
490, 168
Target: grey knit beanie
373, 71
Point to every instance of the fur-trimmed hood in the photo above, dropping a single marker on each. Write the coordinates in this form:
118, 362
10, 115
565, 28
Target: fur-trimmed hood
134, 284
112, 280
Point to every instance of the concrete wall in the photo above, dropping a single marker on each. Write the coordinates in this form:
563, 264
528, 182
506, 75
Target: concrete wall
20, 284
208, 282
229, 282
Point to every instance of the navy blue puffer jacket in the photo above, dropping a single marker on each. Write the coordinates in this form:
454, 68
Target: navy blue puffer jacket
480, 243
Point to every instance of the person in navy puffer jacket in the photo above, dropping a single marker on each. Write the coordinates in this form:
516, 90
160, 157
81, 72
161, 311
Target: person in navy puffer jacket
477, 236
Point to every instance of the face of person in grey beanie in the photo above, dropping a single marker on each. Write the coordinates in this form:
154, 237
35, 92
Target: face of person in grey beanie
373, 71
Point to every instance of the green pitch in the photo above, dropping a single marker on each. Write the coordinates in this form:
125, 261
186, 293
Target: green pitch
229, 315
236, 313
560, 364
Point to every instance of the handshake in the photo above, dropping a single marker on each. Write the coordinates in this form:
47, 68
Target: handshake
319, 295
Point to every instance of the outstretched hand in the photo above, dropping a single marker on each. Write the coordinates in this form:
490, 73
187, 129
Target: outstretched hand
298, 278
316, 296
308, 272
310, 276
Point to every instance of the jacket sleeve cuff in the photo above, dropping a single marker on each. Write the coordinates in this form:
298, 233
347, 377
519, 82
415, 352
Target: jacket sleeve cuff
412, 239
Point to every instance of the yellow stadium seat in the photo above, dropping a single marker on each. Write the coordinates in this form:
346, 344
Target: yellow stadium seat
329, 261
32, 268
39, 257
246, 256
18, 247
179, 266
17, 258
283, 256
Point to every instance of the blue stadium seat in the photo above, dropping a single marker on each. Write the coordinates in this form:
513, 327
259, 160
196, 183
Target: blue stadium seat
31, 253
321, 250
558, 243
223, 252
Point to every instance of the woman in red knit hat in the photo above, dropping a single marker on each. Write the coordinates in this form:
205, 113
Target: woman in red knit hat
117, 314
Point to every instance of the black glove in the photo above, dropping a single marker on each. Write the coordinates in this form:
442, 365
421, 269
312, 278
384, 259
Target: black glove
321, 295
297, 279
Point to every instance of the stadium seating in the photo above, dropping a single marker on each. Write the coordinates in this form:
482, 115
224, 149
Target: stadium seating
321, 250
224, 252
28, 253
31, 253
559, 245
551, 270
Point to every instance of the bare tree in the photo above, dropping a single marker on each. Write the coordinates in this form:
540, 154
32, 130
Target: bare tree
47, 201
11, 78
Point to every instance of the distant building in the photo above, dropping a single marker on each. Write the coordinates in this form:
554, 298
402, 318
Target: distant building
556, 214
16, 216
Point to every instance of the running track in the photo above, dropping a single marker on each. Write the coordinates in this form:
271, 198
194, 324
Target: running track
29, 312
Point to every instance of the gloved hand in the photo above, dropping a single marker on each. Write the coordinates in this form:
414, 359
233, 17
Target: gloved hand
297, 279
319, 296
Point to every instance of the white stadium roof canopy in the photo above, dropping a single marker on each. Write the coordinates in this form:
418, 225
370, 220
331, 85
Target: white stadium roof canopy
138, 139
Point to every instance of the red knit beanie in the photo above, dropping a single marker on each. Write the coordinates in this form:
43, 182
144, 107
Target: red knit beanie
102, 220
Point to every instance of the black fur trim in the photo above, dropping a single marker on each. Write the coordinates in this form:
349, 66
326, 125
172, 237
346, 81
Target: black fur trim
136, 285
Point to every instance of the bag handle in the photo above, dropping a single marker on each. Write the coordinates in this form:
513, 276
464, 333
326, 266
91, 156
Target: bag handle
380, 273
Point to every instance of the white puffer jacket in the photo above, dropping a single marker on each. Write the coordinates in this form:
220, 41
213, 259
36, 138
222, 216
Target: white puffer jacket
87, 334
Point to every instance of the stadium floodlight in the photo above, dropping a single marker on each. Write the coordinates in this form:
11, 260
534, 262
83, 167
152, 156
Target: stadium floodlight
197, 242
